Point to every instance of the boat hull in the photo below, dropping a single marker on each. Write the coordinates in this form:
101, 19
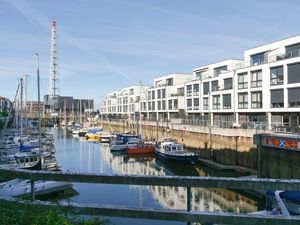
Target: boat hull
141, 150
180, 159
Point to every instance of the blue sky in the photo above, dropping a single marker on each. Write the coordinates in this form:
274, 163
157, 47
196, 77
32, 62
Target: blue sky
106, 45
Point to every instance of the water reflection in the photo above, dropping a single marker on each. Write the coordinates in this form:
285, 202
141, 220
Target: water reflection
78, 155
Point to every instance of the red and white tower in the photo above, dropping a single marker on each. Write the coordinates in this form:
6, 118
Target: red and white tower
54, 82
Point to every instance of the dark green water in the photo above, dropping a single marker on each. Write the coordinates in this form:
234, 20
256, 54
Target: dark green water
78, 155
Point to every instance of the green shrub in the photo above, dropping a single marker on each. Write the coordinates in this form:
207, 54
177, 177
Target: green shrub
16, 214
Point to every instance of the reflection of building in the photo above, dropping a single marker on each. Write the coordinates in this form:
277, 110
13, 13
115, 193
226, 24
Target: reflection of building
32, 108
175, 197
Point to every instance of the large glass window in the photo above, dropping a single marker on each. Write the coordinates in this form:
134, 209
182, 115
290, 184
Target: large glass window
149, 95
163, 105
205, 88
196, 103
293, 73
153, 105
169, 104
153, 95
180, 91
293, 50
256, 100
189, 90
169, 82
196, 89
216, 102
243, 101
214, 85
294, 97
158, 94
149, 105
257, 59
175, 104
163, 93
242, 80
205, 103
227, 101
256, 78
277, 98
189, 104
228, 84
159, 105
277, 75
219, 70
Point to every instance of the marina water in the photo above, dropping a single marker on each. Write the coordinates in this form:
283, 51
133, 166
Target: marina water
76, 154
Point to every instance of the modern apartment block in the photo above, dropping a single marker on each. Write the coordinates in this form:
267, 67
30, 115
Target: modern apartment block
125, 103
263, 87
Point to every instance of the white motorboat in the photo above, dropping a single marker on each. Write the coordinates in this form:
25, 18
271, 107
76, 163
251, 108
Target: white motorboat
170, 149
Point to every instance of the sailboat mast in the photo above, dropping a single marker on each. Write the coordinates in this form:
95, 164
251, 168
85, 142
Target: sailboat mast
21, 110
25, 108
39, 100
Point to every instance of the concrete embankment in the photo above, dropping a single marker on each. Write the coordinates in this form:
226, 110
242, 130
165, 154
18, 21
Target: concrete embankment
223, 146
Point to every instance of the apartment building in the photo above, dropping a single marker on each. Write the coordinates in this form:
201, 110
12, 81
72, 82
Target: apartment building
165, 99
124, 103
263, 87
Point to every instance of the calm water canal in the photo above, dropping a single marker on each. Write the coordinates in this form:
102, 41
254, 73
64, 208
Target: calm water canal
79, 155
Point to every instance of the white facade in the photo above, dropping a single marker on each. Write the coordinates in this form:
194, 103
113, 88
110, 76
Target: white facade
264, 86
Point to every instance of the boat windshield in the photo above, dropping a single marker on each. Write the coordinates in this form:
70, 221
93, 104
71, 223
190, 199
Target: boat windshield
291, 200
179, 147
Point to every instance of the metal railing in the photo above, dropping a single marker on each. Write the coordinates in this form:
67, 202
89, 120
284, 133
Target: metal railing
161, 214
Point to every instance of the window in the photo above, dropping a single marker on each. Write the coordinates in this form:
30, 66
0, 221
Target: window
293, 73
219, 70
294, 97
149, 105
228, 84
131, 91
180, 91
216, 102
205, 103
153, 105
293, 50
169, 104
149, 95
175, 104
257, 59
125, 100
159, 105
242, 80
243, 101
214, 85
256, 100
163, 105
205, 88
256, 78
227, 101
196, 103
196, 89
199, 75
153, 95
169, 82
158, 94
163, 93
189, 90
189, 104
277, 75
277, 98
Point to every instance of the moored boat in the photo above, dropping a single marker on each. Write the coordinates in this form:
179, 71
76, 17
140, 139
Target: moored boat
123, 141
170, 149
141, 148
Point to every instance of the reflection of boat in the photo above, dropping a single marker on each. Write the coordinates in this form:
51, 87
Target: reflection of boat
169, 149
141, 148
172, 168
281, 203
106, 137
